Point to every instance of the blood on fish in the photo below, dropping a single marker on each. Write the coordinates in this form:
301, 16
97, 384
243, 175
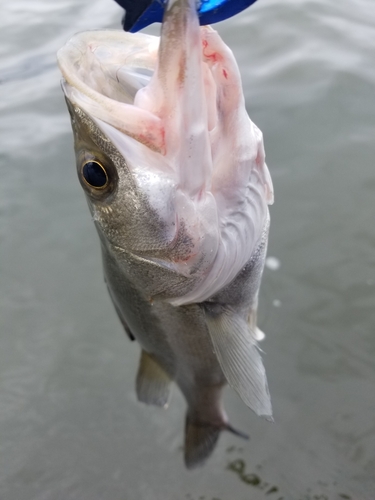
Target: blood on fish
184, 260
149, 141
215, 56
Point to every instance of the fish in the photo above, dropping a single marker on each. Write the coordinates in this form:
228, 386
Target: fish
174, 174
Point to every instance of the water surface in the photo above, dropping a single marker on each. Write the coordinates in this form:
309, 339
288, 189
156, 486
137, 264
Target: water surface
70, 425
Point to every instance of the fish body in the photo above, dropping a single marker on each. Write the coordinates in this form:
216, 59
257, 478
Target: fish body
174, 174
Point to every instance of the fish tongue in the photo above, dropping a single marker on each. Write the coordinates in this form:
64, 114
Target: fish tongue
176, 94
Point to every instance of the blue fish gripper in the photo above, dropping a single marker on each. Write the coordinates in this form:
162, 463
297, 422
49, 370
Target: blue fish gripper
142, 13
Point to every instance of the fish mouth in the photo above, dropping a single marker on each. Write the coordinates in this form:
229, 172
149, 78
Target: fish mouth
103, 71
96, 64
108, 64
155, 93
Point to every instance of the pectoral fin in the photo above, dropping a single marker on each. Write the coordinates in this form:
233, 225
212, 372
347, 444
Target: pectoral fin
237, 352
153, 385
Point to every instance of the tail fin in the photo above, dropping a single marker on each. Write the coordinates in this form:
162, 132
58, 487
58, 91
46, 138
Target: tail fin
201, 439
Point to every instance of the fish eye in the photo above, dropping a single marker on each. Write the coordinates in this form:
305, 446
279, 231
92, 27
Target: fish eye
94, 175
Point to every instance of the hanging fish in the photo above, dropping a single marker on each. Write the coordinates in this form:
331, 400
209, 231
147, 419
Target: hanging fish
174, 174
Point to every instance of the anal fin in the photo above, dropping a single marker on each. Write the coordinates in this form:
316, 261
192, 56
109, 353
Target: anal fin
235, 345
153, 385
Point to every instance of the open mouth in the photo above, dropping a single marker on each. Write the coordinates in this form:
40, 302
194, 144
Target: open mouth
103, 71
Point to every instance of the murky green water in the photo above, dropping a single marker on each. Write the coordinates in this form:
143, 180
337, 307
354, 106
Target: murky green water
70, 426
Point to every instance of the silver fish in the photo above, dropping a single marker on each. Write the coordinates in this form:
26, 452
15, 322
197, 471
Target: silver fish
174, 174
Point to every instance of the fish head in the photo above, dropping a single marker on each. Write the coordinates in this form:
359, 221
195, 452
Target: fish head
171, 164
132, 207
